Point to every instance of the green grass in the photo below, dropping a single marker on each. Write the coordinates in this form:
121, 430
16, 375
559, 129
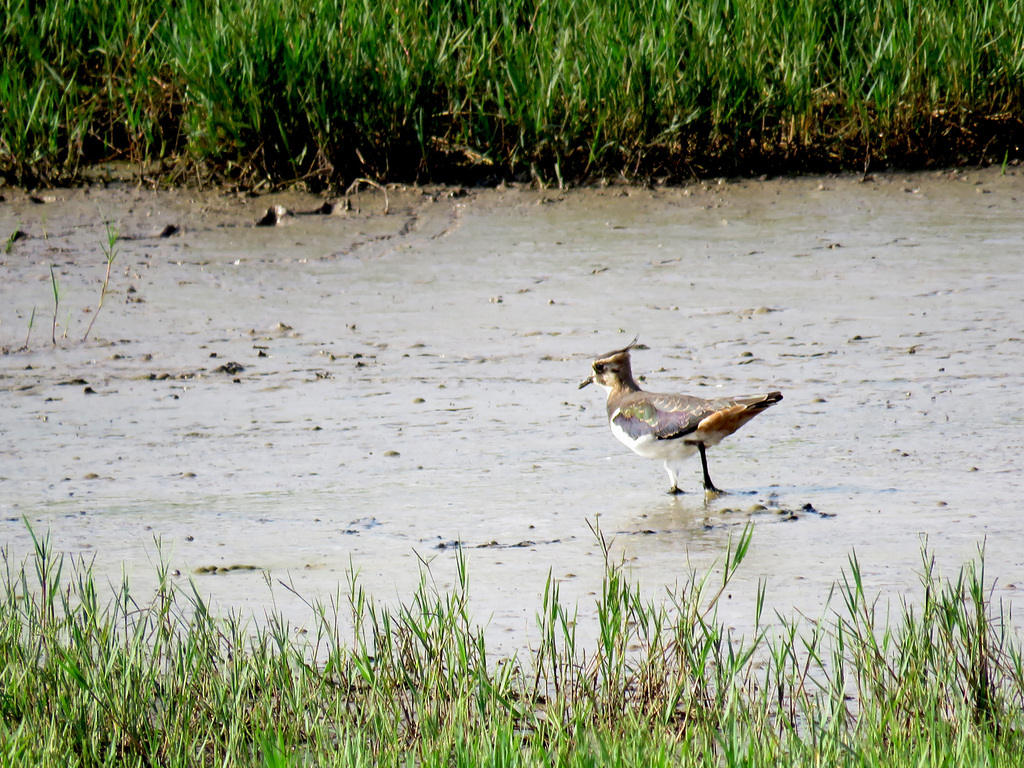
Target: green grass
327, 91
159, 680
110, 250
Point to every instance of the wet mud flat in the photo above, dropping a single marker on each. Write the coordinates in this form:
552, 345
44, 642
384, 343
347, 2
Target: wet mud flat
350, 389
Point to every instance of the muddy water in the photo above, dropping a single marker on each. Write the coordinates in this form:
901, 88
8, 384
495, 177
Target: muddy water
366, 390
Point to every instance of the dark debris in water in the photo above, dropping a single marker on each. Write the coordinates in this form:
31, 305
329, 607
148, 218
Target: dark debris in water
731, 516
494, 544
211, 569
361, 525
231, 368
183, 376
782, 512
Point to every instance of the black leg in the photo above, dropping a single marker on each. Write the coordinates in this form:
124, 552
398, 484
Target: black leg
708, 485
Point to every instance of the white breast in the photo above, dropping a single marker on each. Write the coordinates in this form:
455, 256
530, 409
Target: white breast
651, 447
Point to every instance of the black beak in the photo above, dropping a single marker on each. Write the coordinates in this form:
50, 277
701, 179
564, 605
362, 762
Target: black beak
588, 380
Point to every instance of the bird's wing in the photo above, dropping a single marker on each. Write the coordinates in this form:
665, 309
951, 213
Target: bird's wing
664, 416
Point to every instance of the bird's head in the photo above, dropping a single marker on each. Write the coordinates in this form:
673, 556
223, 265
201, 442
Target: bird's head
613, 370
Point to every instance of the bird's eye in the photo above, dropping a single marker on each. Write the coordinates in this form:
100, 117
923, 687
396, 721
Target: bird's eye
599, 367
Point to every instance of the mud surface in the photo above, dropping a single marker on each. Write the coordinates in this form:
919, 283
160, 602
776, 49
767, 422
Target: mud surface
361, 389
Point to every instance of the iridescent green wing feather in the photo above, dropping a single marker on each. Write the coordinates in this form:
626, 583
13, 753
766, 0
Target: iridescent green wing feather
664, 416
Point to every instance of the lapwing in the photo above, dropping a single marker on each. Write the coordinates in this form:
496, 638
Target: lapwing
670, 427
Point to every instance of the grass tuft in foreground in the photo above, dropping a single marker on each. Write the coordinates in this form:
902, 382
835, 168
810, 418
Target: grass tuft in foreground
937, 681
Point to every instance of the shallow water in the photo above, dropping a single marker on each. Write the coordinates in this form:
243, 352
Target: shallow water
410, 381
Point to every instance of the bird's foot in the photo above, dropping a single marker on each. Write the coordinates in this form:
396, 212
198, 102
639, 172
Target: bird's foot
674, 491
711, 493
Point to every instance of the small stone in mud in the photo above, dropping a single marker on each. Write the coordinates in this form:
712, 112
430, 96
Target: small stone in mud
392, 453
90, 476
331, 208
419, 400
231, 368
759, 508
170, 230
273, 216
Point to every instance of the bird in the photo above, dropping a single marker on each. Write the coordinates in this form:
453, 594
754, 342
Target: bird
670, 427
